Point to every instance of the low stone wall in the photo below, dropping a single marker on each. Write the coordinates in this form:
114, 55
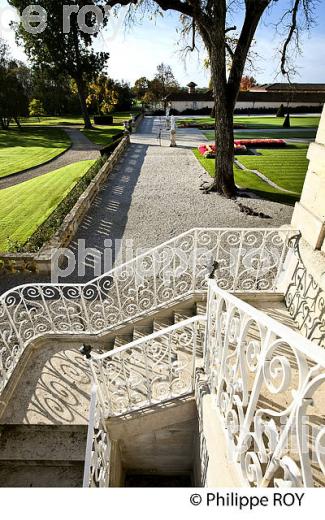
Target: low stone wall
41, 261
137, 122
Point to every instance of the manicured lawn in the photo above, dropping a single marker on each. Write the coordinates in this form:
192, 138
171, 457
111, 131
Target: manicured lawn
300, 133
29, 147
52, 121
102, 135
118, 118
247, 179
277, 122
286, 167
23, 208
271, 122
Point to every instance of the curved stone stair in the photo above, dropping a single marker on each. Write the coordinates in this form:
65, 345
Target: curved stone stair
42, 455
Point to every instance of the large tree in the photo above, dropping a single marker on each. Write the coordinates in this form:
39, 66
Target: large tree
140, 89
13, 92
60, 52
164, 83
211, 19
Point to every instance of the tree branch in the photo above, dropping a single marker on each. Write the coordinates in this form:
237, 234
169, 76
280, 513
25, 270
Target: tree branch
292, 31
165, 5
254, 11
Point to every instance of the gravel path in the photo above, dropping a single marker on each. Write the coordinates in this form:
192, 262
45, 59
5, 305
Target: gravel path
153, 195
81, 149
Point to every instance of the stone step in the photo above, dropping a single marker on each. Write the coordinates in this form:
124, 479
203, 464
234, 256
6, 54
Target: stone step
41, 475
201, 308
162, 323
122, 339
38, 443
42, 455
183, 314
141, 331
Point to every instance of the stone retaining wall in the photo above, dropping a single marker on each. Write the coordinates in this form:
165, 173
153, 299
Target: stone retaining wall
41, 261
137, 122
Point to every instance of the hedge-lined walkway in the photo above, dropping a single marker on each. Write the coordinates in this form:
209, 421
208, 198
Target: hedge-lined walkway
81, 149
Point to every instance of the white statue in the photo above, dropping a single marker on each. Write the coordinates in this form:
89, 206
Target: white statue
173, 132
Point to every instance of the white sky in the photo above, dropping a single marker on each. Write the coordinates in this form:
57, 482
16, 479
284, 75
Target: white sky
138, 51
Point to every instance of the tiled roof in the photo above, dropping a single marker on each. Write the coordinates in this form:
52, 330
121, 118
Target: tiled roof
301, 87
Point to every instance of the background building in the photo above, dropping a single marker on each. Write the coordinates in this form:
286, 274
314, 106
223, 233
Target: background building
302, 97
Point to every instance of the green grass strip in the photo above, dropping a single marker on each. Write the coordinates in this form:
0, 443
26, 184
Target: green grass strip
102, 135
29, 147
23, 208
248, 180
286, 167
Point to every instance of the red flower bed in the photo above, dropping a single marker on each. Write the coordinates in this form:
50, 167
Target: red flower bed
209, 150
240, 146
256, 143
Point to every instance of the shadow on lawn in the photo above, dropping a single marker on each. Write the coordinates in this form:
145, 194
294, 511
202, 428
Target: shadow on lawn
33, 137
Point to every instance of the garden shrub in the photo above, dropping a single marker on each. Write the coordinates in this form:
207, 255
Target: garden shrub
103, 120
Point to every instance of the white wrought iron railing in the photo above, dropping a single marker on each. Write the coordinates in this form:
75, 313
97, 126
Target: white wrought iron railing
269, 386
268, 382
241, 259
98, 449
150, 370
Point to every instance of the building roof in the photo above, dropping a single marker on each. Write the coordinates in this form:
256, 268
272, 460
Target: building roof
187, 96
192, 84
268, 95
297, 87
284, 96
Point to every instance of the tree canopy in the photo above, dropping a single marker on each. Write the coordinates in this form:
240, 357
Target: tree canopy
60, 52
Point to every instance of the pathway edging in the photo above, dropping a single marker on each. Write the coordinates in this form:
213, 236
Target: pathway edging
263, 177
69, 156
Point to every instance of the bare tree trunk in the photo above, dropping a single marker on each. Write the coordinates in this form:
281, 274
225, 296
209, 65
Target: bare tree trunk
17, 122
224, 182
4, 121
223, 109
83, 104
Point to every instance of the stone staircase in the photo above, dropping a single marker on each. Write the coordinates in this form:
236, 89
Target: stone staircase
155, 323
42, 455
52, 455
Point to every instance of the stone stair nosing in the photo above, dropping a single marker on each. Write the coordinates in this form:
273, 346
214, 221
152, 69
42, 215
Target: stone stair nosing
42, 455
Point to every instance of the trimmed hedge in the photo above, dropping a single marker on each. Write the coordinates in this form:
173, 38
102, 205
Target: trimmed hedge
109, 149
206, 111
103, 120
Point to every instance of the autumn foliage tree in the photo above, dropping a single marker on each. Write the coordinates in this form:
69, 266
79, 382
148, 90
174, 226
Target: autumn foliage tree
247, 82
